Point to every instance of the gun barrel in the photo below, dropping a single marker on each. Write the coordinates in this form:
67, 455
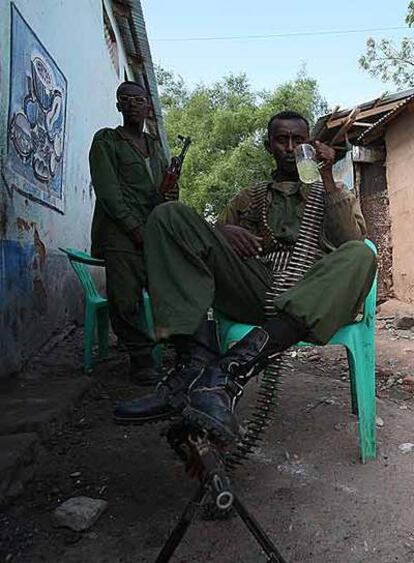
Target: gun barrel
186, 143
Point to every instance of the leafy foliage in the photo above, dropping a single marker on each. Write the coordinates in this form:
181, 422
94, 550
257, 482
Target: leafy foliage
227, 123
410, 14
390, 62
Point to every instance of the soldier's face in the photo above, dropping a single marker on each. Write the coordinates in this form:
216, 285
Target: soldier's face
286, 135
132, 102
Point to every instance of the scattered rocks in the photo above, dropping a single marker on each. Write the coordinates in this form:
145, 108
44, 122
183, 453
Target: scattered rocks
79, 513
408, 380
314, 357
403, 321
379, 422
406, 448
330, 401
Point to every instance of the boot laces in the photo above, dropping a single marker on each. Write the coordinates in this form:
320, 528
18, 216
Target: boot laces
178, 375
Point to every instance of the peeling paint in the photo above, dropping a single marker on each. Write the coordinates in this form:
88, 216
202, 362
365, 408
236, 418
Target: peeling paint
23, 225
39, 287
40, 249
40, 292
3, 219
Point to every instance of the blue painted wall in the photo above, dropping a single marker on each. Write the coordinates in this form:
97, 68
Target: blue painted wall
38, 291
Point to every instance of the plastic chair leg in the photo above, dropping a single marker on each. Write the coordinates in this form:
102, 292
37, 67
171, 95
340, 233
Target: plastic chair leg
362, 366
147, 314
89, 338
352, 382
103, 330
157, 355
148, 321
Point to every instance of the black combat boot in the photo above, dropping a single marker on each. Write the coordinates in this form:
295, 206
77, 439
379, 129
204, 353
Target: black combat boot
193, 354
213, 395
142, 371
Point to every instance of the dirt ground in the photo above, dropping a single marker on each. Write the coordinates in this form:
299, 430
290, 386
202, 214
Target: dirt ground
305, 484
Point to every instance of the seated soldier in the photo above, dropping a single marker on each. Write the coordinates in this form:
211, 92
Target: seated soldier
193, 266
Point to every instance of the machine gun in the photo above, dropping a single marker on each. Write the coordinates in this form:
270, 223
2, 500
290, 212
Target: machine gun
173, 171
206, 460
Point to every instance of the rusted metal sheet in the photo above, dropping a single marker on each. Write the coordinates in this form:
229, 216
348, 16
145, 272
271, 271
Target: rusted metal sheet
375, 207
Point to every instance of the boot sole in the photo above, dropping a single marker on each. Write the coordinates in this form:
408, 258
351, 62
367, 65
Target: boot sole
222, 433
125, 421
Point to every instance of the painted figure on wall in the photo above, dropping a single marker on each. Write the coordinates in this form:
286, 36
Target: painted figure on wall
36, 118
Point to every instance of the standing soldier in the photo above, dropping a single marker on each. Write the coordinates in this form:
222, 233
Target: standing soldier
127, 167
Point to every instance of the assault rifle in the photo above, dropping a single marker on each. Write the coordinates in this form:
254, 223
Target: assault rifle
173, 171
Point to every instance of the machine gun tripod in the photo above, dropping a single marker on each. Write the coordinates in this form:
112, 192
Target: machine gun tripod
203, 458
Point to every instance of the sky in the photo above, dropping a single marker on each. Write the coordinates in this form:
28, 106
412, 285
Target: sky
330, 58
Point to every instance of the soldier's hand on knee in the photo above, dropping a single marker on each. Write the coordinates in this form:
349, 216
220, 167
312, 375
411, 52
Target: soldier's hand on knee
243, 242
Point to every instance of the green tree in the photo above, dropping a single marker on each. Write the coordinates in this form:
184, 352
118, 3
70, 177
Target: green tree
227, 121
390, 62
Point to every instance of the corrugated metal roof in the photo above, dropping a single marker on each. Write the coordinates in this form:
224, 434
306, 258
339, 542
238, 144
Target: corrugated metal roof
376, 102
366, 116
371, 132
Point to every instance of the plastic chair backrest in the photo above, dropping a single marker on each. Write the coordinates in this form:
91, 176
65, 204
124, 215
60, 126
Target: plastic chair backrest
78, 260
370, 303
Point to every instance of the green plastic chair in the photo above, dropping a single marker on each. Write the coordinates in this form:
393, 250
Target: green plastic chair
146, 322
359, 341
96, 306
97, 312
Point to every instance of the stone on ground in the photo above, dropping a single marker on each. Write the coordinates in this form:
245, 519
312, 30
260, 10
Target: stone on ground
79, 513
403, 321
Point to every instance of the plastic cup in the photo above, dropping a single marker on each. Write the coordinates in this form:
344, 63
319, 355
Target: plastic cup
307, 164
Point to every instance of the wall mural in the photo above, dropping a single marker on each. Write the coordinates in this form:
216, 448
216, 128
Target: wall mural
37, 110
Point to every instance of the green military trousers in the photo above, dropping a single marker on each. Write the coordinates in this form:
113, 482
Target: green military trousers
191, 267
125, 279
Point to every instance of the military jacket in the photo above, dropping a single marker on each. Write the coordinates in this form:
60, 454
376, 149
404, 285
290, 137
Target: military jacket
126, 186
343, 219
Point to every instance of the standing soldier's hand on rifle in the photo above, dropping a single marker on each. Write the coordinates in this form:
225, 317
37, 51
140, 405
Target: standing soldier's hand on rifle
172, 194
169, 186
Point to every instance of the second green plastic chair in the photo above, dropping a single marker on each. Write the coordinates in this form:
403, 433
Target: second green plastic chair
96, 306
96, 309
